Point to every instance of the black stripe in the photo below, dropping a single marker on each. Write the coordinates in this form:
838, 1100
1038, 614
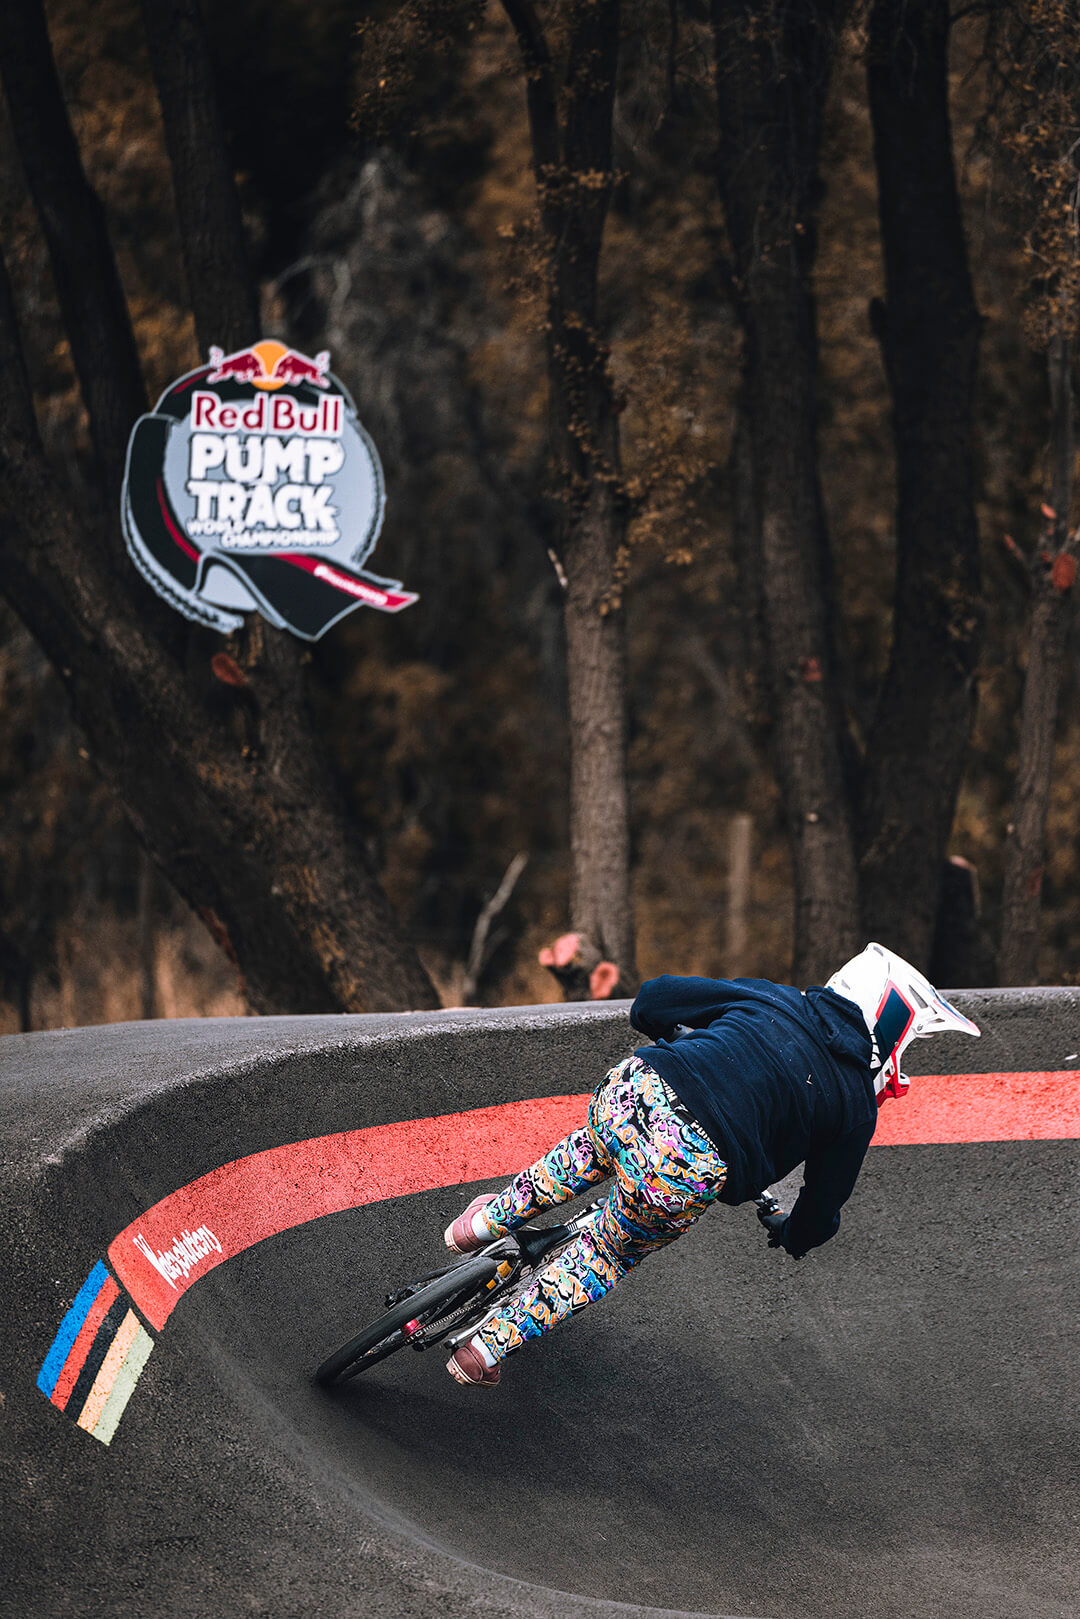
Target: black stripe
305, 603
98, 1350
146, 461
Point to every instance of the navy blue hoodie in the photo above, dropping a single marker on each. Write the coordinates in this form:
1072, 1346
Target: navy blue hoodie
776, 1078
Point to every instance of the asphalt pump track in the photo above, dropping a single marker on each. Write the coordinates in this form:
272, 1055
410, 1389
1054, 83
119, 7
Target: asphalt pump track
197, 1212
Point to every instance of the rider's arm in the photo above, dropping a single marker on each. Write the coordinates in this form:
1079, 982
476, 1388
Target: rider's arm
829, 1178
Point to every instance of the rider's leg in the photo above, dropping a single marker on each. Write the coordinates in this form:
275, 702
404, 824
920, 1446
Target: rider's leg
564, 1171
567, 1169
667, 1172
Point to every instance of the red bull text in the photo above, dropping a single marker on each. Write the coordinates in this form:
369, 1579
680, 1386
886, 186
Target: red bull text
268, 413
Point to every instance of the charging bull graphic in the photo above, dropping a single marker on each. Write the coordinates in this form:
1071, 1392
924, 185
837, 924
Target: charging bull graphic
253, 485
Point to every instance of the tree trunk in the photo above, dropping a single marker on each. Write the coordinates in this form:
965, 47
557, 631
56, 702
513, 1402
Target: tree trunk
221, 288
222, 783
1052, 609
772, 67
746, 547
88, 287
572, 165
928, 328
740, 848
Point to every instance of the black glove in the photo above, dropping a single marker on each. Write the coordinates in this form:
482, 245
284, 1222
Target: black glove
775, 1222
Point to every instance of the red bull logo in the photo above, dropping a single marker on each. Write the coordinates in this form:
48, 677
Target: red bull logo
253, 486
293, 367
269, 365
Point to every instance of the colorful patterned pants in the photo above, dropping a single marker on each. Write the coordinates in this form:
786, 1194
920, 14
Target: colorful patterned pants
665, 1174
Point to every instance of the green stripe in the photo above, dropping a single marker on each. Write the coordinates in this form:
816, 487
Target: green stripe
124, 1385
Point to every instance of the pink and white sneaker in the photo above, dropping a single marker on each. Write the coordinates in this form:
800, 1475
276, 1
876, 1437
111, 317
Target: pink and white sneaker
466, 1233
468, 1365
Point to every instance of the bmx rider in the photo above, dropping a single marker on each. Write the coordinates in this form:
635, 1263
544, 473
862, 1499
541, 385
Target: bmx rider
747, 1079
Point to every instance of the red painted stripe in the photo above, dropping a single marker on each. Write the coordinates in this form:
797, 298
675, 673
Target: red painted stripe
201, 1225
944, 1108
253, 1198
69, 1372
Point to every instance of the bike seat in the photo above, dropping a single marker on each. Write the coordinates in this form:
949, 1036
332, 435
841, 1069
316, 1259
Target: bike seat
536, 1241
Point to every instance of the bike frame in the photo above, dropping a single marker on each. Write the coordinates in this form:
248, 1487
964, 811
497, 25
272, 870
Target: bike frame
515, 1254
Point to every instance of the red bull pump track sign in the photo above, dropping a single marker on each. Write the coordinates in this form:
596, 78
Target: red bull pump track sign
253, 485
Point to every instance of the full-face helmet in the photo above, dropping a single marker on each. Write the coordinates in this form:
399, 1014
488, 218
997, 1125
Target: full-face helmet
898, 1005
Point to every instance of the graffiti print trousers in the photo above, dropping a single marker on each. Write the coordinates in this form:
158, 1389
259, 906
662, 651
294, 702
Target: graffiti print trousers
665, 1172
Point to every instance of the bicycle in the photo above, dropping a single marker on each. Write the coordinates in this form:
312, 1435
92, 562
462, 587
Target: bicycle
451, 1304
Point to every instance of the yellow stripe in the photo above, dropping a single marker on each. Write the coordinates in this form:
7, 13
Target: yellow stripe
124, 1386
103, 1382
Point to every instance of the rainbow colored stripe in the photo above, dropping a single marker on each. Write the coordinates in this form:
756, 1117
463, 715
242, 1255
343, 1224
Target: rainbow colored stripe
97, 1357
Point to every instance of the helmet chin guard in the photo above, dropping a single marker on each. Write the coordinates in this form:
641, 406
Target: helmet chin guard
899, 1004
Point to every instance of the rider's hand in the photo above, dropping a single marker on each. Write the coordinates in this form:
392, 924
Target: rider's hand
774, 1225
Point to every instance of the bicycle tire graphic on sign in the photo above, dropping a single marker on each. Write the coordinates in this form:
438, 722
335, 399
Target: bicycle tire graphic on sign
252, 485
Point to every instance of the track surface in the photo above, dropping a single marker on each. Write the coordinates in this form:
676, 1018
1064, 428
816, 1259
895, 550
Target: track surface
886, 1430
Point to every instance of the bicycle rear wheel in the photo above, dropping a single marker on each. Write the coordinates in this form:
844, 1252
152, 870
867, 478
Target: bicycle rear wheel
385, 1334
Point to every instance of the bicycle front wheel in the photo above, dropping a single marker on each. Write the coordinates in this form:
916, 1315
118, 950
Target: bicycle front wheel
385, 1334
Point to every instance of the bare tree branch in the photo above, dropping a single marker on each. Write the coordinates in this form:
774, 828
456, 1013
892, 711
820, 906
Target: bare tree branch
478, 950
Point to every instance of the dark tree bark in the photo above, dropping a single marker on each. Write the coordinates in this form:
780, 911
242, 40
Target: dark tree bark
571, 153
746, 545
772, 65
962, 955
222, 290
1052, 612
222, 783
928, 328
88, 288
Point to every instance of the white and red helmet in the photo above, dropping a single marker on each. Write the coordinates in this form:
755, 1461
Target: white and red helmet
898, 1005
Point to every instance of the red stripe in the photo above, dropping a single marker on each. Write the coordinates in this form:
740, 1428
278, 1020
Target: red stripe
944, 1108
189, 382
253, 1198
188, 550
373, 595
69, 1372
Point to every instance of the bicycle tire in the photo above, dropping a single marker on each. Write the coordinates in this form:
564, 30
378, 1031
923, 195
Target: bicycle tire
384, 1335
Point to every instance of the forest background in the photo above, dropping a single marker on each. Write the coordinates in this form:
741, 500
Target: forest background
397, 231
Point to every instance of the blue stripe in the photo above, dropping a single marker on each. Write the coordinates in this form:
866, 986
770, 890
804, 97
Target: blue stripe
69, 1328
